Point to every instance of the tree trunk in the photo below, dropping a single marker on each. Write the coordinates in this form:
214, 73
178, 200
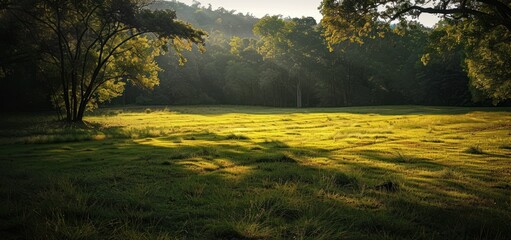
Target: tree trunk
347, 85
80, 113
298, 94
74, 95
344, 84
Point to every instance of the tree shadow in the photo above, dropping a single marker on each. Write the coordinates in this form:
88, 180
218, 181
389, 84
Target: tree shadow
204, 185
402, 160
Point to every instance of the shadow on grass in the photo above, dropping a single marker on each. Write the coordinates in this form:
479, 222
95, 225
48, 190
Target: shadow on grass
210, 186
402, 160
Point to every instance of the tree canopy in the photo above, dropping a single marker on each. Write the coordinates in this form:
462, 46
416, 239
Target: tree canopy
481, 27
89, 49
353, 20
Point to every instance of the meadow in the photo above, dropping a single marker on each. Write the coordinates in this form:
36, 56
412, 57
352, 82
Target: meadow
229, 172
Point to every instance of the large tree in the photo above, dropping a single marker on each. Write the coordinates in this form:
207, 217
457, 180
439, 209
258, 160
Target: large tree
91, 48
481, 27
355, 19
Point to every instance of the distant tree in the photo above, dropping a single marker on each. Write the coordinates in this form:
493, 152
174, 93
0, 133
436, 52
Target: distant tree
241, 83
93, 47
272, 86
245, 49
292, 44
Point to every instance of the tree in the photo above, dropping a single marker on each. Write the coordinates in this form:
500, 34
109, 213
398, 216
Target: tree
481, 27
353, 20
292, 43
92, 48
272, 86
487, 58
18, 68
241, 83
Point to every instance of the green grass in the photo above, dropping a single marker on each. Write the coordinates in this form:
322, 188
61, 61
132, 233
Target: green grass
400, 172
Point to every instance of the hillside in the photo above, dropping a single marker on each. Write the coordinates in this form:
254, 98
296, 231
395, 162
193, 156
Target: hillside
215, 21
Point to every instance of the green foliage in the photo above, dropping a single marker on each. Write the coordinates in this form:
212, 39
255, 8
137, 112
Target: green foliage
489, 65
287, 64
90, 49
273, 30
343, 22
220, 23
483, 33
241, 82
355, 20
293, 45
484, 55
482, 28
269, 70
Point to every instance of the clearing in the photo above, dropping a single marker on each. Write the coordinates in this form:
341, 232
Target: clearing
226, 172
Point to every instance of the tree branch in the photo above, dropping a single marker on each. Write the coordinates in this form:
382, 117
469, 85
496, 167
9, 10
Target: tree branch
440, 11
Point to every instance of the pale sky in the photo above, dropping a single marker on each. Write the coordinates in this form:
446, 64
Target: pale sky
286, 8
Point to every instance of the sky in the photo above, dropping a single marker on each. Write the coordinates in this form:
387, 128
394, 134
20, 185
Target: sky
286, 8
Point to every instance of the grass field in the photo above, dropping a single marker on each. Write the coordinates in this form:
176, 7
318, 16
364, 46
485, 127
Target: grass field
401, 172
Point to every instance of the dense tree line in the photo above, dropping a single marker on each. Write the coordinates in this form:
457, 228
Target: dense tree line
287, 63
276, 61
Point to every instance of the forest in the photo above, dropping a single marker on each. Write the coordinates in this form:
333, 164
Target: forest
152, 119
280, 62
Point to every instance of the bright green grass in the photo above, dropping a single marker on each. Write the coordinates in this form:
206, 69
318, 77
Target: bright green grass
259, 173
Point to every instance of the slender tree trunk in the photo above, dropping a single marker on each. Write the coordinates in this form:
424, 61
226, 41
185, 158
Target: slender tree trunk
298, 94
80, 113
332, 89
65, 88
344, 85
333, 99
63, 77
74, 95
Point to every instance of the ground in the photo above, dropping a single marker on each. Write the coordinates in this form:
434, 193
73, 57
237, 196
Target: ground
400, 172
